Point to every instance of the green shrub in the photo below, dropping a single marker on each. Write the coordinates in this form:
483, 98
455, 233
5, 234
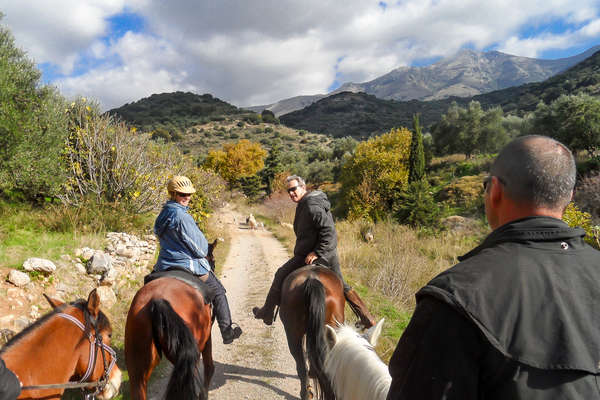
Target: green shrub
576, 218
415, 205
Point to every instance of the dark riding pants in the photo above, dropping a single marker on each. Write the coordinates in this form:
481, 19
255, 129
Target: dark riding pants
10, 388
220, 304
297, 262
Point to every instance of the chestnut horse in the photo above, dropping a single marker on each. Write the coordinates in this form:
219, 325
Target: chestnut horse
168, 316
72, 341
311, 297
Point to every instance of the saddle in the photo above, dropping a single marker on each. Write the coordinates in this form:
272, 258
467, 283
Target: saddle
186, 276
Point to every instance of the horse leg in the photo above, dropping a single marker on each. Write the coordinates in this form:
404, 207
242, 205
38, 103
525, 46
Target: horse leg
207, 361
141, 359
295, 346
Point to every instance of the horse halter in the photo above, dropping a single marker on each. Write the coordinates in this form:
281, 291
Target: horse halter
101, 383
93, 345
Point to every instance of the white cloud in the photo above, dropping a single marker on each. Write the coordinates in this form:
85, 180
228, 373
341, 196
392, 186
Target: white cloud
259, 52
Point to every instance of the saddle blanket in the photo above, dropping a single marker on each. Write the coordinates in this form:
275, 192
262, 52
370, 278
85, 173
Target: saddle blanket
183, 275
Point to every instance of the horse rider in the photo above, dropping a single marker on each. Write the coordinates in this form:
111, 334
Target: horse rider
316, 243
183, 245
10, 386
517, 318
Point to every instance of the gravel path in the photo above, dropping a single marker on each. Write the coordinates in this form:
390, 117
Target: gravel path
258, 365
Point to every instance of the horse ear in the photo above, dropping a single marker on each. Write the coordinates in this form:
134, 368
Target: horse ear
93, 303
214, 243
330, 336
372, 334
53, 302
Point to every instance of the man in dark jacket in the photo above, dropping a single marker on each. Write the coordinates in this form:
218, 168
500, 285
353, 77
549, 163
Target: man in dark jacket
10, 387
517, 318
316, 243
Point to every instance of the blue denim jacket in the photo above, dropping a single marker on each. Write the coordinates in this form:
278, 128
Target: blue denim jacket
182, 244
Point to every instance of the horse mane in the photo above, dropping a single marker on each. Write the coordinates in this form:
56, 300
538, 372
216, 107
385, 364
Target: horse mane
102, 322
355, 369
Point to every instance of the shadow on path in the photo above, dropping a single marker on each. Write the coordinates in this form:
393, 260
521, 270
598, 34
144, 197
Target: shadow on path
230, 372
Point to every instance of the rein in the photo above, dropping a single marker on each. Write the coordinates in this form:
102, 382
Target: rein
101, 383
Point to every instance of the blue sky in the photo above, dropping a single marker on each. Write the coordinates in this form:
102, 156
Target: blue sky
251, 53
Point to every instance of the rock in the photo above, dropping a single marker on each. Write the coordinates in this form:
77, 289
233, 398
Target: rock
286, 225
34, 312
100, 263
21, 323
18, 278
458, 223
5, 336
107, 296
368, 236
80, 268
109, 278
39, 264
6, 321
87, 253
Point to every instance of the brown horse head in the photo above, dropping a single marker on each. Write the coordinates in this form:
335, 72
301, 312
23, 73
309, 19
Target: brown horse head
70, 342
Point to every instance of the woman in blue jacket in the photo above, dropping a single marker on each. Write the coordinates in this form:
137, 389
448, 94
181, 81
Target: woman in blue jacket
183, 245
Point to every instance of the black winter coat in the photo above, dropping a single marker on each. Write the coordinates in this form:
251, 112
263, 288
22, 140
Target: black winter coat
314, 227
518, 318
10, 388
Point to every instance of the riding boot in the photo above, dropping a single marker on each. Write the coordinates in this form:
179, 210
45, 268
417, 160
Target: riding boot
223, 315
359, 308
267, 311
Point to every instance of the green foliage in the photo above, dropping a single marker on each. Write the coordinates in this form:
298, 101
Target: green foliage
416, 162
415, 205
577, 218
273, 166
32, 126
573, 120
470, 130
378, 168
251, 186
320, 171
174, 111
268, 117
210, 193
343, 147
106, 160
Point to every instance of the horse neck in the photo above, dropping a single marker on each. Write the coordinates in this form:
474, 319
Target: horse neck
47, 354
357, 372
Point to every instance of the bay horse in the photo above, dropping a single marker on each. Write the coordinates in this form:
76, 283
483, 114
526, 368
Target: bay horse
70, 342
168, 316
311, 297
353, 367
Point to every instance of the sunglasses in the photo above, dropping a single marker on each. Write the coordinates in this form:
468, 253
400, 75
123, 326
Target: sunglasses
292, 189
488, 179
183, 194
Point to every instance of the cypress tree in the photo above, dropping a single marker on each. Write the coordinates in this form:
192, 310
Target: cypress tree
416, 161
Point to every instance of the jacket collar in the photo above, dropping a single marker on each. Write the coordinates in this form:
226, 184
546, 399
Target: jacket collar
173, 203
528, 229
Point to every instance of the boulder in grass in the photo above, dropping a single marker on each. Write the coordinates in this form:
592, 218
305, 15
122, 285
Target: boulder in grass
39, 264
107, 296
18, 278
100, 263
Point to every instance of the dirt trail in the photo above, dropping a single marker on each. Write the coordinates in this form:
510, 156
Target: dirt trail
258, 365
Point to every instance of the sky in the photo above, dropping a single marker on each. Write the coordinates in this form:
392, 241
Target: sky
258, 52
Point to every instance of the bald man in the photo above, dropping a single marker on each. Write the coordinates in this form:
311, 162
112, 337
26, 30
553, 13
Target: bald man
519, 316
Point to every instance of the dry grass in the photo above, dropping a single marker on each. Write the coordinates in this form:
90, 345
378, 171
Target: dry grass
399, 260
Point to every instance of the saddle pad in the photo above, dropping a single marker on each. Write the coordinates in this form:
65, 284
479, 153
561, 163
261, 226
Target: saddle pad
185, 276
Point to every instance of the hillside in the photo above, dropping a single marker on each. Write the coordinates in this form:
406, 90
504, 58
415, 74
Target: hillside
467, 73
361, 115
177, 110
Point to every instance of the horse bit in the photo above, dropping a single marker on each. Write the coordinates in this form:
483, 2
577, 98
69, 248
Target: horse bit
101, 383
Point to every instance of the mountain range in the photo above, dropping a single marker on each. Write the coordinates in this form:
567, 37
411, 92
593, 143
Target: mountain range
361, 115
467, 73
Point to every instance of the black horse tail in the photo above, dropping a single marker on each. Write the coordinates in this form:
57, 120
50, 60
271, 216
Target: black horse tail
316, 346
173, 337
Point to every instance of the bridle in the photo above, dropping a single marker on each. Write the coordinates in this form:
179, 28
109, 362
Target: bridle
94, 345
